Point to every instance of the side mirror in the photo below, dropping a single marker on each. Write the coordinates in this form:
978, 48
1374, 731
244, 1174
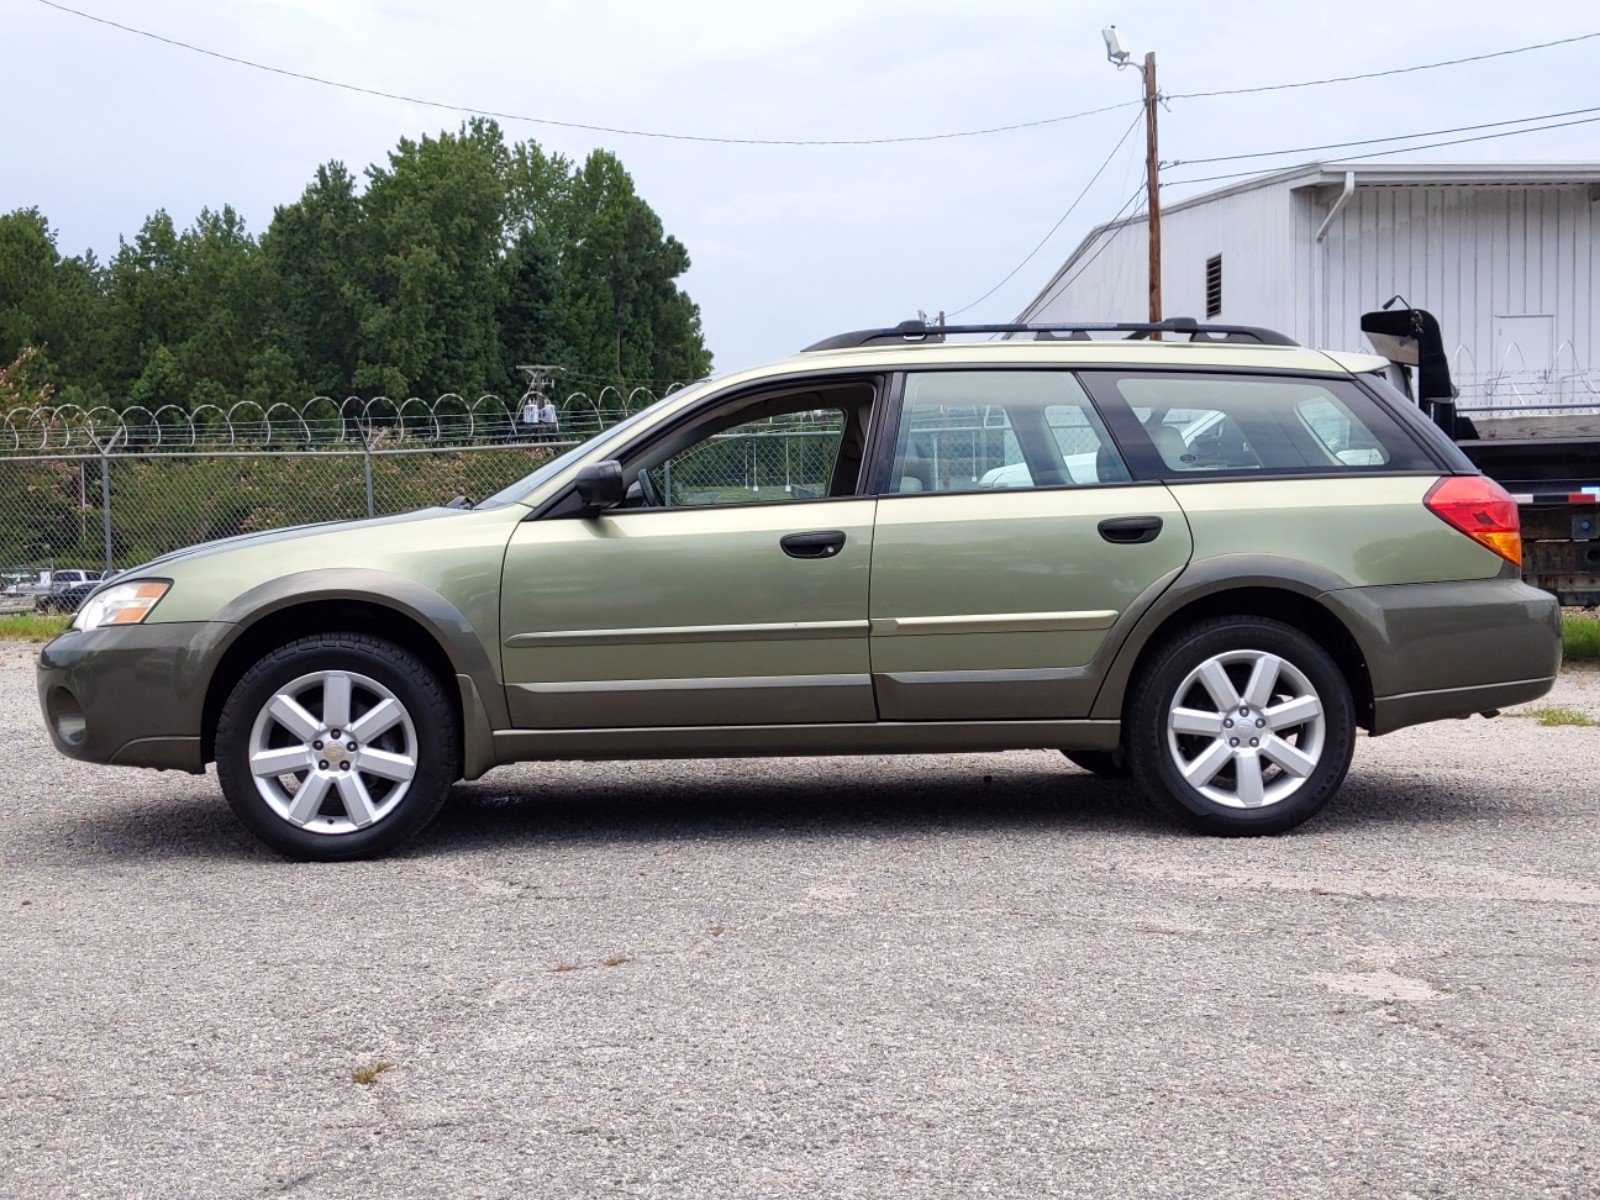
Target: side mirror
599, 485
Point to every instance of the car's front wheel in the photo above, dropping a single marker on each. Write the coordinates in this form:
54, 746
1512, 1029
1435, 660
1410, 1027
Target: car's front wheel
1240, 725
337, 746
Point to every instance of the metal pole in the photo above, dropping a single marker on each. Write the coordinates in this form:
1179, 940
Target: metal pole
366, 469
1152, 186
105, 500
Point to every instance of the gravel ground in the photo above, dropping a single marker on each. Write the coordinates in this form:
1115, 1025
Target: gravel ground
879, 977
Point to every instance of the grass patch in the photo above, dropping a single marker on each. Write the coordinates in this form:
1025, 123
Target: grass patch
1560, 714
33, 627
1580, 638
367, 1076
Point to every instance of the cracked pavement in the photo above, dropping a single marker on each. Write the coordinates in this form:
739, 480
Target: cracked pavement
874, 977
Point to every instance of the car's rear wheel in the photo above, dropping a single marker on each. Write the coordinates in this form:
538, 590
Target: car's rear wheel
1109, 763
337, 746
1240, 725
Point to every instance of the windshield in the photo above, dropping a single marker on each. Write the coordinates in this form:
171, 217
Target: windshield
514, 492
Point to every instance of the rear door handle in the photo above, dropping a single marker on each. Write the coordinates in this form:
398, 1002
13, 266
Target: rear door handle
823, 543
1130, 531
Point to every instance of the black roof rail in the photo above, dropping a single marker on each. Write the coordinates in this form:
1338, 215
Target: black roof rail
921, 331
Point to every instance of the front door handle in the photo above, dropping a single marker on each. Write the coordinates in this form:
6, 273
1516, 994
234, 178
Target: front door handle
1130, 531
823, 543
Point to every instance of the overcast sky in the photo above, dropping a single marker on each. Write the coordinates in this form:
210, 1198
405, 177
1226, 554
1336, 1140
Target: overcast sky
99, 128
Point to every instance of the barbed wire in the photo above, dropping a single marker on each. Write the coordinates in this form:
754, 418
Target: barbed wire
321, 421
451, 420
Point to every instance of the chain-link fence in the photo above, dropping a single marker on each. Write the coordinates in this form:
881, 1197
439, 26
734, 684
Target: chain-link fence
89, 490
108, 511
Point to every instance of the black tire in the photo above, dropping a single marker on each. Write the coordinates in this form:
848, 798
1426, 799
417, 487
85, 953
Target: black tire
1146, 741
1109, 763
432, 715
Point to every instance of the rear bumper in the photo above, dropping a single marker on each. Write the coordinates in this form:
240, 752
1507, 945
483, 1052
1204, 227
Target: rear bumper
132, 695
1440, 650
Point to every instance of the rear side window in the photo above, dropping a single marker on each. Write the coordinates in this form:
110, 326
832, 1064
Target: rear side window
963, 431
1188, 426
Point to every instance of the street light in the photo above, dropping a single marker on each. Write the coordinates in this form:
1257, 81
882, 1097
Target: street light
1116, 51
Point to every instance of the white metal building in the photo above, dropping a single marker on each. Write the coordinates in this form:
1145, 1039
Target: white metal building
1504, 254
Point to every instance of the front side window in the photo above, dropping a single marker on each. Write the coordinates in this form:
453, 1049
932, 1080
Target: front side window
768, 460
965, 431
1181, 425
800, 441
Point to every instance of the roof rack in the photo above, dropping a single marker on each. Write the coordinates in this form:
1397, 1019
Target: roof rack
921, 331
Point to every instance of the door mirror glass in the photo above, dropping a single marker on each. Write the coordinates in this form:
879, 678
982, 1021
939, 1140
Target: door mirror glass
599, 485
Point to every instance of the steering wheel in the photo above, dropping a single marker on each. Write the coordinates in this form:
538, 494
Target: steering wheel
648, 492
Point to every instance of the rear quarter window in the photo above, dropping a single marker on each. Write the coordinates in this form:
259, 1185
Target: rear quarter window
1180, 425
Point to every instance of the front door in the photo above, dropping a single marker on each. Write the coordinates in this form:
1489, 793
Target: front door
1009, 539
731, 589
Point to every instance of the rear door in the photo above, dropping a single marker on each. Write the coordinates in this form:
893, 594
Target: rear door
1009, 539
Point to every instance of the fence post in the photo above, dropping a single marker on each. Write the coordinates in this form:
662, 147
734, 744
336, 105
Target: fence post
105, 449
105, 502
366, 467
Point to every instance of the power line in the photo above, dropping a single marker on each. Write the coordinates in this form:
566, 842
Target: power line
1449, 62
1398, 137
1041, 122
1059, 222
1140, 195
1482, 137
592, 128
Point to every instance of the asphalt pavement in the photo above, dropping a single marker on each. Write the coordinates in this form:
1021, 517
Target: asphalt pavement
977, 975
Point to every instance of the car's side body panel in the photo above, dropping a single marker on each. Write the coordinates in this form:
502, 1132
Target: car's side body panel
1363, 530
452, 553
1027, 589
692, 616
1450, 649
754, 741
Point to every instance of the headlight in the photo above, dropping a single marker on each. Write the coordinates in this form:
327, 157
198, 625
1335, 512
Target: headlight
121, 604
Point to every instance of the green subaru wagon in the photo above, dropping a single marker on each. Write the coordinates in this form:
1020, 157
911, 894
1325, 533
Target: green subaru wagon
1202, 560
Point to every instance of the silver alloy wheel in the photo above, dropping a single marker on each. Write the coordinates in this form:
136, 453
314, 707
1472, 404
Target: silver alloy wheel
1246, 728
333, 752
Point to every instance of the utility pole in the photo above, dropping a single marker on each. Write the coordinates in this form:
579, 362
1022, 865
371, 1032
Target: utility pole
1153, 185
1117, 55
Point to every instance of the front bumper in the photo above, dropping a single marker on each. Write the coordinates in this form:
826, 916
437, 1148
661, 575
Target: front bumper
131, 695
1440, 650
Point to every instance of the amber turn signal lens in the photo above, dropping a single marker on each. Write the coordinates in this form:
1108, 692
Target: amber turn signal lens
138, 606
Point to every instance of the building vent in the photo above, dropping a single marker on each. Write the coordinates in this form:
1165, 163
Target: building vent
1214, 286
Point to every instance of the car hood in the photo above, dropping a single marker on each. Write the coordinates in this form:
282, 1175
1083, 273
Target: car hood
285, 533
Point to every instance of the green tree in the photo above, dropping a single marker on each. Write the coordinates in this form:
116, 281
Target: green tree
462, 257
435, 218
49, 303
318, 267
620, 316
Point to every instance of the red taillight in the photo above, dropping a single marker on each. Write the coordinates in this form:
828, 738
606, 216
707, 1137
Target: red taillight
1480, 508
